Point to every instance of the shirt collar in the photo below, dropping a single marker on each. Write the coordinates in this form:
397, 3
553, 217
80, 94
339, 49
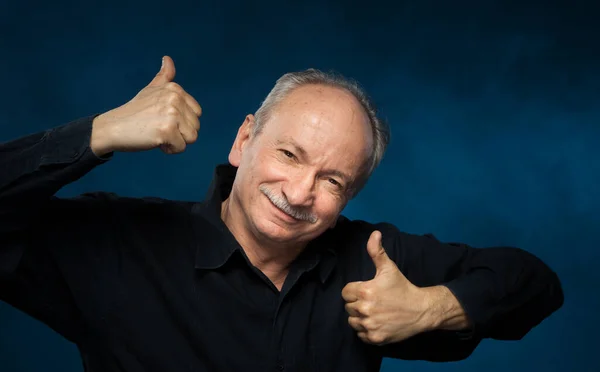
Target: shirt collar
218, 244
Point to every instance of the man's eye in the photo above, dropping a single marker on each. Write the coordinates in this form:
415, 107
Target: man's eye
334, 182
288, 154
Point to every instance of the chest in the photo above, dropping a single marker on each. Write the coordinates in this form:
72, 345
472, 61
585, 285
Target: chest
147, 305
230, 319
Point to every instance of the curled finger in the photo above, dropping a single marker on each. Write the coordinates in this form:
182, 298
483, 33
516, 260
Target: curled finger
192, 104
356, 324
352, 310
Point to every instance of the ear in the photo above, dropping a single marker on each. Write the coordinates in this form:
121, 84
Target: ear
241, 139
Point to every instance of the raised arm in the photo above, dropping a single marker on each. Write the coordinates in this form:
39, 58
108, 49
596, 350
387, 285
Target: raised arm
39, 232
434, 301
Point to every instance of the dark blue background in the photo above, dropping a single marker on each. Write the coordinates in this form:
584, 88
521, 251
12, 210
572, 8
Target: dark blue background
494, 109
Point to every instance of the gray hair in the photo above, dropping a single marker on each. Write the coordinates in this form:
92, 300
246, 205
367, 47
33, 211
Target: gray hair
292, 80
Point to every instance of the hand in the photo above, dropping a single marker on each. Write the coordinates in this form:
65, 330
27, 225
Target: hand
161, 115
388, 308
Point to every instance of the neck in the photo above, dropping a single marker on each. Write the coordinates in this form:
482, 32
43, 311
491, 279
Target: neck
272, 258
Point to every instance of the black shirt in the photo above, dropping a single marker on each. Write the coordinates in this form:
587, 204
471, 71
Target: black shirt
148, 284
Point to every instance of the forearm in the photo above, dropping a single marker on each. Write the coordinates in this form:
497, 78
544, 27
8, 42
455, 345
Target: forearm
41, 163
444, 311
35, 167
511, 292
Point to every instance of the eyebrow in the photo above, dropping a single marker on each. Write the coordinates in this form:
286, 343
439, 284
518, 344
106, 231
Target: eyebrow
300, 150
297, 148
339, 174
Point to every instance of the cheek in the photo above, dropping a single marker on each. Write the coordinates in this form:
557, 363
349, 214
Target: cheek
254, 166
328, 207
256, 172
270, 167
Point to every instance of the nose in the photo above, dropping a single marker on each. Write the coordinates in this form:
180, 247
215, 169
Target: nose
299, 190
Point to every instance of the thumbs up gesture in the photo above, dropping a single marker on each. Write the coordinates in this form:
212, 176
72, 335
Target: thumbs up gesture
387, 308
162, 115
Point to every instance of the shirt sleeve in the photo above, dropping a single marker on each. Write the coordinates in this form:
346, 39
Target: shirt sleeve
34, 168
505, 291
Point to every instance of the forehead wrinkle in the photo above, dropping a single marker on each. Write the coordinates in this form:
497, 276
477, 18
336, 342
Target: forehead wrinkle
337, 143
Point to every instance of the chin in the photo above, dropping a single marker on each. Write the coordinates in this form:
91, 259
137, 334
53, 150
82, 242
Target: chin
274, 232
266, 228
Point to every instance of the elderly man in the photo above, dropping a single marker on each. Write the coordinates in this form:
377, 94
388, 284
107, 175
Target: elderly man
265, 274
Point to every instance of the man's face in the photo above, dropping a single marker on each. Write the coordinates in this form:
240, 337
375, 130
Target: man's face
293, 179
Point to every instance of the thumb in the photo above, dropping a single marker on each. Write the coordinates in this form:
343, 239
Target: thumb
166, 73
376, 250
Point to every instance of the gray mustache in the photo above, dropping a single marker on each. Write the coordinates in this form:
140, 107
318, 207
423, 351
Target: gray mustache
283, 204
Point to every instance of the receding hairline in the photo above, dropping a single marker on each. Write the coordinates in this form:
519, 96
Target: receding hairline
308, 86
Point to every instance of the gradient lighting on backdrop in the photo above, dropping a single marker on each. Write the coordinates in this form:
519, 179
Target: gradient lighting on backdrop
493, 108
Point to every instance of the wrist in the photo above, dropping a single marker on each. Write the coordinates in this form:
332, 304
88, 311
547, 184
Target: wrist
443, 310
100, 139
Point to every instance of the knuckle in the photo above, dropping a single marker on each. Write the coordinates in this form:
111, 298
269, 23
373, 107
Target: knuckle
365, 291
174, 86
192, 136
166, 128
171, 111
170, 125
173, 98
364, 324
368, 324
365, 309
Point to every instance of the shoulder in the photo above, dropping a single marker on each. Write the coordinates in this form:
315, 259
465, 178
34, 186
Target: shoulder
112, 206
114, 199
349, 237
356, 233
348, 240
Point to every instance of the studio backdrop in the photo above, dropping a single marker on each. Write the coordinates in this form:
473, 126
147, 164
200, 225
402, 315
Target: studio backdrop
493, 107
